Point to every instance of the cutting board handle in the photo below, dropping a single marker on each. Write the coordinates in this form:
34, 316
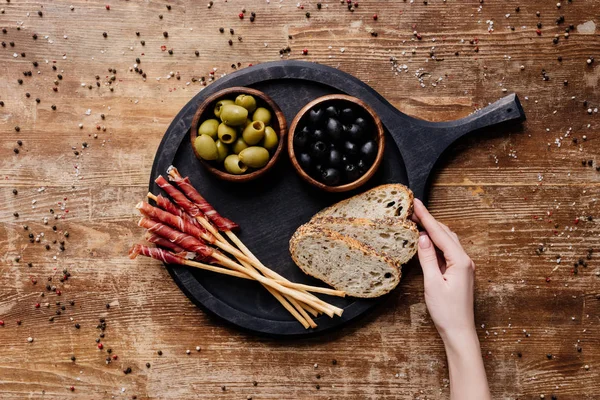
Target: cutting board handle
429, 139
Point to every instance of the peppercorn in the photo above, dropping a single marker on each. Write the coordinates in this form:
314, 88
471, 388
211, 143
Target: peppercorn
137, 34
231, 31
160, 16
73, 357
40, 13
54, 68
319, 6
171, 51
555, 40
537, 13
59, 76
12, 44
169, 7
143, 42
307, 15
104, 34
252, 17
334, 362
3, 44
519, 354
20, 81
1, 104
37, 100
197, 53
159, 352
166, 34
319, 386
16, 150
539, 24
53, 107
34, 36
549, 356
230, 42
16, 214
147, 365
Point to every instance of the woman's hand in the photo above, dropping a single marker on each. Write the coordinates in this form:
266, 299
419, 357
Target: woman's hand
449, 275
449, 282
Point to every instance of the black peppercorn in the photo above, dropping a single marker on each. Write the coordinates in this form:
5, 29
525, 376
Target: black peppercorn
160, 16
159, 352
147, 365
143, 42
16, 150
230, 42
34, 36
20, 81
171, 51
104, 34
40, 13
54, 68
231, 30
37, 100
166, 34
168, 7
307, 15
197, 53
319, 6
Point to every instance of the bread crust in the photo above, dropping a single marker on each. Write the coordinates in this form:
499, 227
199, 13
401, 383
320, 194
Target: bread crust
320, 232
397, 186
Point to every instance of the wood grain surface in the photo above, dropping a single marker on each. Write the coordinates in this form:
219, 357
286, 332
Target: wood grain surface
523, 204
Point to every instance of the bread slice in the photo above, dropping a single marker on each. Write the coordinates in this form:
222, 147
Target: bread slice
391, 200
393, 236
343, 262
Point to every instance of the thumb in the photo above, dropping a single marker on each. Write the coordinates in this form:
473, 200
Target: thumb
428, 258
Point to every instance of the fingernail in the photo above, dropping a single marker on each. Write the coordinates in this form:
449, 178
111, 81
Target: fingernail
424, 241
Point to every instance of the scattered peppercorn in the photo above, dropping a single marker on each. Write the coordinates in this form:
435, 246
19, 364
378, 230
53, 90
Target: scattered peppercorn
169, 7
166, 34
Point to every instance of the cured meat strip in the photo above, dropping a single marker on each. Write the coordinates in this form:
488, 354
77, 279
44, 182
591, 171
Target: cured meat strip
162, 242
174, 221
191, 193
156, 253
168, 206
181, 239
178, 197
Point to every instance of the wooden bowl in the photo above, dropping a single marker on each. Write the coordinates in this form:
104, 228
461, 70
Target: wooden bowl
278, 123
379, 138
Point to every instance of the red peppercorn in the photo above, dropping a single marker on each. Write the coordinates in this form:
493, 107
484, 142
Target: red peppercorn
305, 51
72, 388
58, 292
375, 17
576, 220
548, 279
241, 15
108, 7
37, 305
538, 32
100, 346
1, 323
114, 357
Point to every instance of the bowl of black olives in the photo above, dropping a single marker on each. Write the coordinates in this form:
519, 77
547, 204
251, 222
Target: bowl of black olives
336, 143
238, 134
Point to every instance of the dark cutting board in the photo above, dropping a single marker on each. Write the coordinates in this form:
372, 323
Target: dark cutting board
271, 208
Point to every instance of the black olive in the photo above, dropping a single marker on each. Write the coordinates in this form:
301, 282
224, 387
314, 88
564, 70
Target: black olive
318, 151
352, 172
318, 135
305, 161
347, 116
350, 149
301, 138
331, 176
334, 129
355, 133
335, 158
361, 122
315, 116
331, 112
368, 151
362, 166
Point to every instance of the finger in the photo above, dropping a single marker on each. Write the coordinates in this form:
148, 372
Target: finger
428, 258
451, 233
437, 234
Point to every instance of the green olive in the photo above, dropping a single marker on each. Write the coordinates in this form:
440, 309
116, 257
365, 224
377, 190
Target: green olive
246, 101
227, 134
233, 165
206, 148
239, 145
271, 139
233, 115
219, 106
254, 133
222, 151
255, 157
209, 127
262, 114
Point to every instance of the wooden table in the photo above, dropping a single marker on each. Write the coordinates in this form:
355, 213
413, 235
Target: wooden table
521, 200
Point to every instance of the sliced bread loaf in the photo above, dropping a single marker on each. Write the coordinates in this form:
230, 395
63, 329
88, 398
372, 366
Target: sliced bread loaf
391, 200
392, 236
343, 262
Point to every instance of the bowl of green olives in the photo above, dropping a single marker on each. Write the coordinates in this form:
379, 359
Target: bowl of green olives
336, 143
238, 134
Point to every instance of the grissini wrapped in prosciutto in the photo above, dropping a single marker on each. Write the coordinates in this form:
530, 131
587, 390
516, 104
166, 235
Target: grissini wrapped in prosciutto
183, 240
162, 242
174, 221
168, 206
186, 187
170, 258
179, 198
